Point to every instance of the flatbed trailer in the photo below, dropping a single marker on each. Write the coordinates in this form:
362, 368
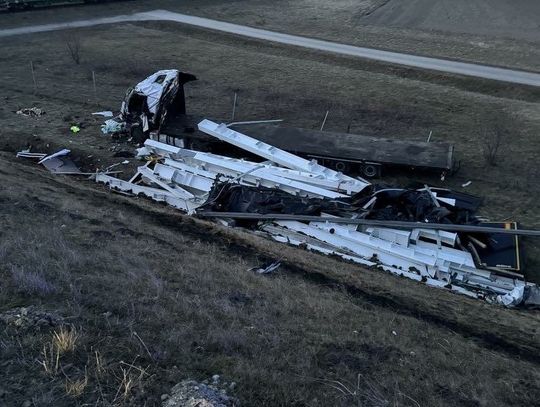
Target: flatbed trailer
349, 153
157, 105
345, 151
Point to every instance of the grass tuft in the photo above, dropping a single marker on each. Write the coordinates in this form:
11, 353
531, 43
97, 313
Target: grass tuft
75, 388
65, 340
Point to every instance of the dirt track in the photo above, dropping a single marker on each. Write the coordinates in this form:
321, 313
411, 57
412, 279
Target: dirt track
407, 60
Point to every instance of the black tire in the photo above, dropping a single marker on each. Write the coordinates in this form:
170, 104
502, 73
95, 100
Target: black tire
370, 170
341, 166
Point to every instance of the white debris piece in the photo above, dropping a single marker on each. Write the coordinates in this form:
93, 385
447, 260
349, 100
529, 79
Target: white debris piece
153, 193
106, 113
60, 153
28, 154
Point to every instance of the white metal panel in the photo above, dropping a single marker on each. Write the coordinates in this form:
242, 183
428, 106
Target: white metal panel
318, 180
190, 168
184, 178
397, 236
153, 193
385, 252
173, 189
250, 175
288, 160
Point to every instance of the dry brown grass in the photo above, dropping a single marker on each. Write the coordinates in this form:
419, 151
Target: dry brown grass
50, 359
75, 388
65, 340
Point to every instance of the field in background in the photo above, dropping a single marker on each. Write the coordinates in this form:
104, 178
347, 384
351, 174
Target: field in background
143, 285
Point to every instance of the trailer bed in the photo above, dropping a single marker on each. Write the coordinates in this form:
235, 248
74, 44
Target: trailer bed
354, 147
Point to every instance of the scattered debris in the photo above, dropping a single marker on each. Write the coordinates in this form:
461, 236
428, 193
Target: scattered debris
267, 269
59, 163
111, 126
190, 393
106, 113
27, 154
329, 212
31, 112
56, 163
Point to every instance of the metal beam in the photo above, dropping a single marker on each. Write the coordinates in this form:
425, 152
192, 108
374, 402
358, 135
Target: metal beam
274, 154
371, 222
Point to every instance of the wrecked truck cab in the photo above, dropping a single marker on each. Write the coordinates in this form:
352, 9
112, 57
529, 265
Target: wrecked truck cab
148, 103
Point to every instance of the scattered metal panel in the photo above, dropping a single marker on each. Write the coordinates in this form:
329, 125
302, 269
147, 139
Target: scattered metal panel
243, 166
366, 246
439, 236
186, 179
58, 163
28, 154
397, 236
283, 235
288, 160
173, 189
190, 168
153, 193
245, 172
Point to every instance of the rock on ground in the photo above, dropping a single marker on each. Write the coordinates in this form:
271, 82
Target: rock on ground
190, 393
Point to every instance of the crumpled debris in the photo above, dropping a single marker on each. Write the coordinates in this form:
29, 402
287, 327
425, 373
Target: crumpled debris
112, 126
29, 318
270, 268
28, 154
190, 393
75, 129
59, 163
513, 298
31, 112
106, 113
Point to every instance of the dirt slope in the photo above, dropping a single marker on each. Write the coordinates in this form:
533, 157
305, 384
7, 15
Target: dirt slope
496, 18
158, 297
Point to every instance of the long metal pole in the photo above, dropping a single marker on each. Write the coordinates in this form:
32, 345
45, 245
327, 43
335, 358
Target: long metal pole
371, 222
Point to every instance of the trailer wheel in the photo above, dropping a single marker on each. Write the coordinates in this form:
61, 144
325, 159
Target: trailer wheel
341, 166
370, 170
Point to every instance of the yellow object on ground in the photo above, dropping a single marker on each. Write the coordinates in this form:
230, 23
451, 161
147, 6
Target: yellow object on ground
75, 129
